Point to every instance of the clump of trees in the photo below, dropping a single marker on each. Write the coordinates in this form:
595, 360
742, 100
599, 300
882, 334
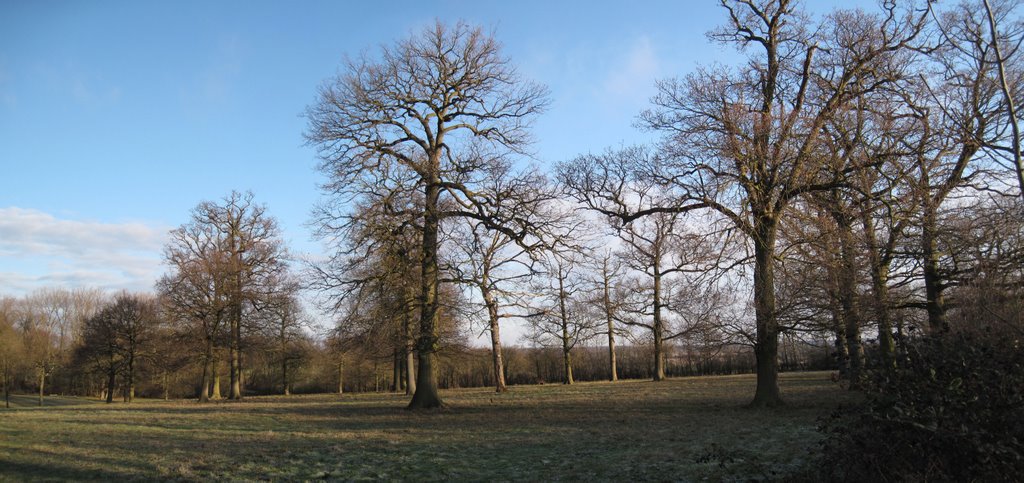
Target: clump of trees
806, 196
228, 277
117, 339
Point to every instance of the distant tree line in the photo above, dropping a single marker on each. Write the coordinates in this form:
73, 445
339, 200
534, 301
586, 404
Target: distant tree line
120, 346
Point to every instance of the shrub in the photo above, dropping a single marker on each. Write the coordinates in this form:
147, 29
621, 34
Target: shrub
952, 409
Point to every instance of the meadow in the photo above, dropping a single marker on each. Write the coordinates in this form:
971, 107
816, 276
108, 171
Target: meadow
679, 429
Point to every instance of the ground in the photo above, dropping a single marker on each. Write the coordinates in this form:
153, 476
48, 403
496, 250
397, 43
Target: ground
679, 429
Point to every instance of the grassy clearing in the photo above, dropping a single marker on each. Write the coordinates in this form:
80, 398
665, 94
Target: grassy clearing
681, 429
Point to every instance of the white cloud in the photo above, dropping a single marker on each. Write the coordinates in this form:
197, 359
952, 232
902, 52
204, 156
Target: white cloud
38, 249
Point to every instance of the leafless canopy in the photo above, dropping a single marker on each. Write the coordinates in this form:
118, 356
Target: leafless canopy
435, 118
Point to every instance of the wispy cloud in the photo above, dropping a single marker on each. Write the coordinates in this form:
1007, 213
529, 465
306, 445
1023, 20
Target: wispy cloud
90, 93
631, 78
214, 82
38, 249
85, 86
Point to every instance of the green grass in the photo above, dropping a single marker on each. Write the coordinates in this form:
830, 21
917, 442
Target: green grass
680, 429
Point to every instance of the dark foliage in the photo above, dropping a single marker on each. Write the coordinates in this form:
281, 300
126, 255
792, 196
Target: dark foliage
952, 410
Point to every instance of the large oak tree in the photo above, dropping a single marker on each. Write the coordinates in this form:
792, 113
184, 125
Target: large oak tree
429, 117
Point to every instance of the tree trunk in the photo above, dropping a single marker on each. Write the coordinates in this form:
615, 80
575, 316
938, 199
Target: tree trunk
204, 380
232, 374
612, 369
566, 356
656, 327
410, 372
766, 347
848, 296
235, 312
842, 352
111, 380
410, 344
236, 355
284, 376
130, 383
1011, 107
42, 384
215, 389
341, 377
492, 315
933, 284
111, 383
564, 318
7, 390
282, 337
879, 290
659, 356
396, 370
537, 368
426, 395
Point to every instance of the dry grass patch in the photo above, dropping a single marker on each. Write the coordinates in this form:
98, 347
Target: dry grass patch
680, 429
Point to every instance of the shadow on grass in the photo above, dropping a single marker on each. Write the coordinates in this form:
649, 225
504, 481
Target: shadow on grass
49, 470
634, 430
26, 401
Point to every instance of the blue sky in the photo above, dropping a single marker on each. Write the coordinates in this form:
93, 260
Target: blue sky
116, 118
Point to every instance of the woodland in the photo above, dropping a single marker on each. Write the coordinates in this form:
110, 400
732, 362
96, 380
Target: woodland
848, 198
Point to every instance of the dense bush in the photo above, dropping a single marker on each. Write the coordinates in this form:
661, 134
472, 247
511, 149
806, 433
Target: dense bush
952, 409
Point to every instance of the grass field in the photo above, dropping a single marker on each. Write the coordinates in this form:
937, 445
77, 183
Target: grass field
680, 429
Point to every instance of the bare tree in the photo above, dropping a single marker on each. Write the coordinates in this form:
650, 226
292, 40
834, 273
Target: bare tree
12, 354
39, 340
226, 260
659, 251
172, 348
428, 116
985, 242
375, 262
118, 337
493, 264
195, 290
99, 351
743, 143
135, 320
1006, 35
883, 213
560, 313
51, 319
961, 110
608, 270
284, 327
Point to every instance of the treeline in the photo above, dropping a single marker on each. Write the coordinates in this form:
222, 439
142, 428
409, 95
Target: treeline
85, 342
119, 346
